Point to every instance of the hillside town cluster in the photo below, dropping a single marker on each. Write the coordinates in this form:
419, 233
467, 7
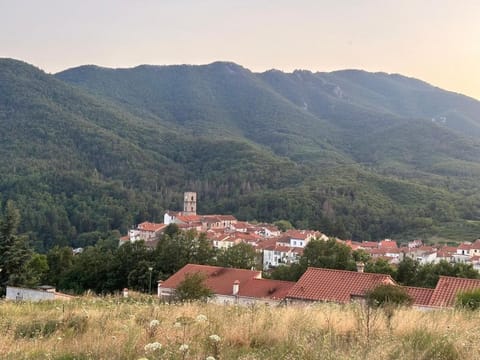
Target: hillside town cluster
283, 248
247, 287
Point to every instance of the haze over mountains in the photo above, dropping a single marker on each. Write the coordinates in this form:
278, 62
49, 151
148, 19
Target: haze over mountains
355, 154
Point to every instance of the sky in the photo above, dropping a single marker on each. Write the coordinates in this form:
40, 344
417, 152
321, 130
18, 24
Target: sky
437, 41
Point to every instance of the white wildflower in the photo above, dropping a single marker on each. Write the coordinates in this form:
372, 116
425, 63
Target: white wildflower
177, 325
210, 358
154, 323
201, 318
214, 338
183, 348
152, 347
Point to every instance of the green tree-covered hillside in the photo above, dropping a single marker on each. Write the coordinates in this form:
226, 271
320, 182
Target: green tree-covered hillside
91, 151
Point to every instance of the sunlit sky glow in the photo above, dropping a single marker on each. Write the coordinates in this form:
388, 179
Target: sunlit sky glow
434, 40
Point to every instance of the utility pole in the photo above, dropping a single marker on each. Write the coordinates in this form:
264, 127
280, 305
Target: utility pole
150, 281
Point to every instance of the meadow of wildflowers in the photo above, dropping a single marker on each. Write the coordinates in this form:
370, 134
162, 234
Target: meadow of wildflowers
142, 328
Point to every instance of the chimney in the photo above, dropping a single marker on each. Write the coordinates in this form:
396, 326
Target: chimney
360, 267
236, 287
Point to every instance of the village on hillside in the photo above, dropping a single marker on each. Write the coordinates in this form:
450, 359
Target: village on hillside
275, 248
283, 248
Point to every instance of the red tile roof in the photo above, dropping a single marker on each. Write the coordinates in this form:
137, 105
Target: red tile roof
476, 244
241, 225
299, 234
265, 289
188, 218
354, 245
218, 279
465, 246
387, 243
148, 226
369, 244
448, 287
420, 296
227, 217
318, 284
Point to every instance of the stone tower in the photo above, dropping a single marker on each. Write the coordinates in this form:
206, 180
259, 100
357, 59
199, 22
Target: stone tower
190, 203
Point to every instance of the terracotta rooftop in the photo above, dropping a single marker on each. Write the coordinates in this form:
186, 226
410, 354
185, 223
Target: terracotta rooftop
265, 289
465, 246
227, 217
447, 289
241, 225
188, 218
420, 296
476, 244
318, 284
369, 244
218, 279
148, 226
387, 243
298, 234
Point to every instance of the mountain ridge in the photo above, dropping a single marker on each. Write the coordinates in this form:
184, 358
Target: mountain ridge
102, 149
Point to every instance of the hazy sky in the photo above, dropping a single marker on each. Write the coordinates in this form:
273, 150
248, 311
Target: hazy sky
435, 40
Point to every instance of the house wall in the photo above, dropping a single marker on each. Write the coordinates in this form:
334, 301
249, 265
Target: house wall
22, 294
166, 293
167, 219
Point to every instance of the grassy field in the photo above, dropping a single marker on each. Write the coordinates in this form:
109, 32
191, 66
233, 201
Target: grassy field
141, 328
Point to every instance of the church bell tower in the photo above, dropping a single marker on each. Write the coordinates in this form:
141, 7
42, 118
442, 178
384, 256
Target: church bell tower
190, 203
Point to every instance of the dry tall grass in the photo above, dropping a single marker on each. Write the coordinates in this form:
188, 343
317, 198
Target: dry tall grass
116, 328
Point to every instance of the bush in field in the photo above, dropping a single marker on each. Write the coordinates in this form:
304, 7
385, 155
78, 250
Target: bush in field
421, 344
469, 299
388, 298
35, 329
44, 328
193, 288
384, 295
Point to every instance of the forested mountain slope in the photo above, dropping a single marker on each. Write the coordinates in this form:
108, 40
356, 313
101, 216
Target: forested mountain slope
91, 150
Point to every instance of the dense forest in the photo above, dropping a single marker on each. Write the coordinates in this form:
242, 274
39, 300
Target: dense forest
89, 152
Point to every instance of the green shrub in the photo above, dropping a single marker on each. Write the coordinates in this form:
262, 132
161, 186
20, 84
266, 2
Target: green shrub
36, 329
421, 344
388, 295
76, 323
193, 288
468, 299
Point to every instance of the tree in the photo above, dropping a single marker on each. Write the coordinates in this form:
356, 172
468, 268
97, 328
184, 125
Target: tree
283, 225
380, 266
291, 272
60, 261
407, 272
388, 298
91, 270
130, 266
468, 299
240, 256
14, 252
384, 295
177, 248
193, 287
327, 254
36, 270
